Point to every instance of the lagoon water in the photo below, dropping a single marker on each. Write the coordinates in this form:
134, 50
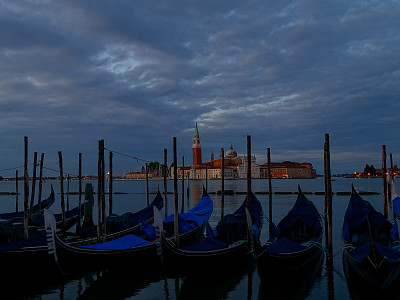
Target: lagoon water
245, 284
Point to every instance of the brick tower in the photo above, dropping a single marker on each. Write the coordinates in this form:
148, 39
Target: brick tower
196, 148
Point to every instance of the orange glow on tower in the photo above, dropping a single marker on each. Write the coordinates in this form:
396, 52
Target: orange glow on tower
196, 148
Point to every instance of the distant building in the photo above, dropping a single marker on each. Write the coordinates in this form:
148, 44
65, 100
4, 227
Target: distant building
136, 175
236, 166
289, 170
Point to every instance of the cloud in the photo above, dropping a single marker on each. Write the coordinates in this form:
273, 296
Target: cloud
137, 74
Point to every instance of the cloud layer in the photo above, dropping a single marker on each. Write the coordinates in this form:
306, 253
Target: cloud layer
137, 73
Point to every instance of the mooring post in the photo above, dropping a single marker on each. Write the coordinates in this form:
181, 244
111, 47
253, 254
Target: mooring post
40, 181
79, 186
110, 184
68, 181
99, 182
183, 185
328, 195
33, 184
222, 183
165, 184
103, 193
384, 170
248, 204
60, 162
16, 191
328, 217
26, 187
147, 185
269, 191
176, 217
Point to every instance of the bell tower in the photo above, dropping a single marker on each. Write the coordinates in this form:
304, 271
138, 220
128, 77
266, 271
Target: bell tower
196, 146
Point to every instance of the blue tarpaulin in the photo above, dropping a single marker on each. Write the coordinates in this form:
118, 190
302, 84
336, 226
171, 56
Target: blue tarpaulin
126, 242
360, 211
195, 217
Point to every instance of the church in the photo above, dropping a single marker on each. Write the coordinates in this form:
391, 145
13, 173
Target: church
234, 166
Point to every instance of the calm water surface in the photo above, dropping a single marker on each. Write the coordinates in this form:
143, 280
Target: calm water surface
243, 284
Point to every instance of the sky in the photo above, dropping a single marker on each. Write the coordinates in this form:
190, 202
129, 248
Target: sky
138, 73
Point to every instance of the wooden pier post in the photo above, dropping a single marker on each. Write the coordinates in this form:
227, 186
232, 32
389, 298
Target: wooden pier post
79, 186
165, 184
16, 191
183, 185
206, 177
222, 183
60, 162
99, 189
269, 191
147, 185
328, 217
103, 193
40, 181
176, 216
33, 184
187, 187
26, 187
68, 182
328, 195
248, 204
384, 170
110, 184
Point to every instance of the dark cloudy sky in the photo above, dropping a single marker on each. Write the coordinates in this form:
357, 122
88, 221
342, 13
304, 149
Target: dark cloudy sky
138, 73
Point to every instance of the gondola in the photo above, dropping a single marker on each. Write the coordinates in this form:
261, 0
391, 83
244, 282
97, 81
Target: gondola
47, 203
127, 223
13, 229
31, 255
294, 247
225, 247
124, 253
192, 223
370, 256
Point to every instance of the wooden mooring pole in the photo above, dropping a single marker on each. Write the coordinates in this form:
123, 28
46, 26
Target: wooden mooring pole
176, 216
33, 184
60, 162
328, 218
384, 170
183, 185
79, 187
110, 185
26, 187
222, 183
269, 191
99, 189
40, 181
16, 191
165, 184
147, 185
328, 195
68, 182
248, 204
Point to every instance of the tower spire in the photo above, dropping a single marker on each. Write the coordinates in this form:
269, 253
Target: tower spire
196, 148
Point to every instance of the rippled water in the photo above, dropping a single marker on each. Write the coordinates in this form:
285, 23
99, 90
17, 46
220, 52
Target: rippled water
243, 284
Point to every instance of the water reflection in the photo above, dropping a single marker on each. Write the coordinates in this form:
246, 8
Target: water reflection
117, 285
291, 286
215, 286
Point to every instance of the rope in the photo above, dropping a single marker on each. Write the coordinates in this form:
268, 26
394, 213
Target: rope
127, 155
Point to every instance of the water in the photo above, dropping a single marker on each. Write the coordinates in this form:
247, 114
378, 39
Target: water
245, 284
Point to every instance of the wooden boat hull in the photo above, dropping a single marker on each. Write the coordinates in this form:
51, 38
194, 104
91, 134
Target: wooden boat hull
379, 278
271, 265
203, 262
73, 258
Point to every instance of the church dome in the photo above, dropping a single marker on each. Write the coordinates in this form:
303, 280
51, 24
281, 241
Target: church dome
231, 153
